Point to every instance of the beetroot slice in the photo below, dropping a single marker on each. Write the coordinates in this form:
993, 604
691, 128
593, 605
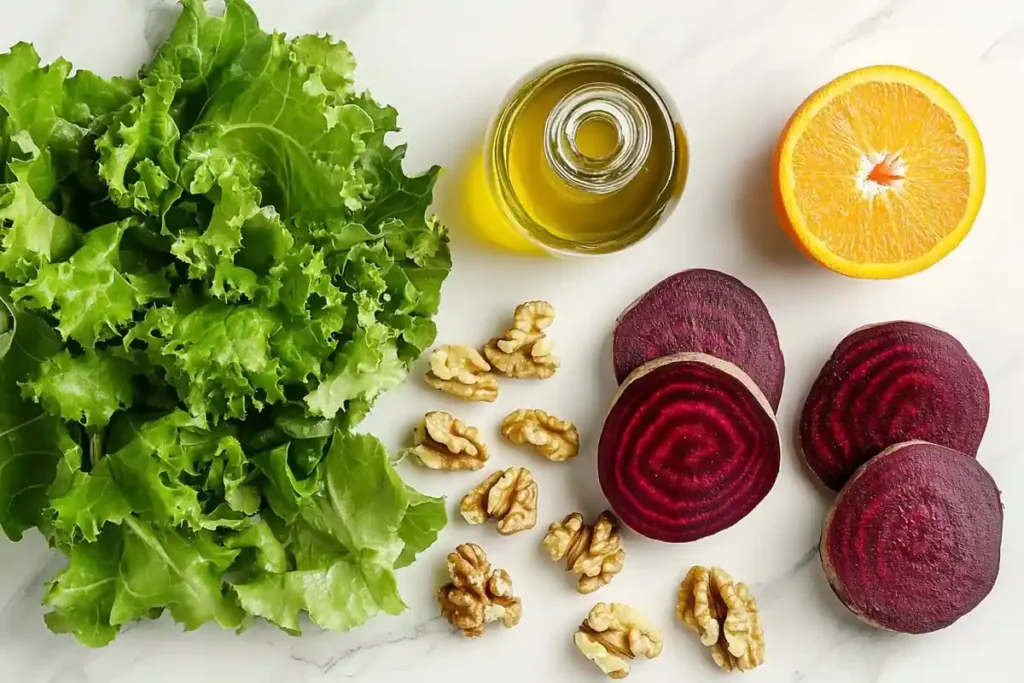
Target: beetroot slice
912, 542
689, 448
886, 384
702, 311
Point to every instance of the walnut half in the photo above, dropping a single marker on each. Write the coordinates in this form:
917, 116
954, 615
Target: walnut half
613, 634
524, 351
477, 594
725, 617
461, 371
594, 552
444, 443
509, 496
557, 440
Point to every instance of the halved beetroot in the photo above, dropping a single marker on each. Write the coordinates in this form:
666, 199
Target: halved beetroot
702, 311
912, 542
886, 384
689, 447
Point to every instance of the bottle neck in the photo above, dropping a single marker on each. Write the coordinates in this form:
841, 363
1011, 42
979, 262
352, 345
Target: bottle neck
609, 105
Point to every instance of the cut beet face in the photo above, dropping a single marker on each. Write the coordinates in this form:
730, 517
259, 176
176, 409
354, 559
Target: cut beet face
689, 448
912, 542
702, 311
886, 384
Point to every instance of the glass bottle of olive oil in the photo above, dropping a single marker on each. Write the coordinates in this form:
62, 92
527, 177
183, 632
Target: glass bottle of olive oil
585, 157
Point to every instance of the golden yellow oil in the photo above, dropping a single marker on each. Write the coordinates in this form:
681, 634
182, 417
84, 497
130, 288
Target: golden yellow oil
480, 212
549, 206
597, 138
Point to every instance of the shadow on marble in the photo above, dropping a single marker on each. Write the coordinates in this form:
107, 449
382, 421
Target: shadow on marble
462, 199
758, 225
160, 18
584, 485
823, 594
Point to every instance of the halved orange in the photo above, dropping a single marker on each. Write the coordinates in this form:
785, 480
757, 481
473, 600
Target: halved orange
880, 173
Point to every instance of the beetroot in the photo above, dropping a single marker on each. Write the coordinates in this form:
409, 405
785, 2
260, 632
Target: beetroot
702, 311
886, 384
912, 542
689, 448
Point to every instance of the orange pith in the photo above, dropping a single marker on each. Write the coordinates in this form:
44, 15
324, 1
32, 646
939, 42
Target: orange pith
880, 173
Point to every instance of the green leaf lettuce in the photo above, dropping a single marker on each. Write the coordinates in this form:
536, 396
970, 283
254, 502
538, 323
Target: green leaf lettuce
209, 273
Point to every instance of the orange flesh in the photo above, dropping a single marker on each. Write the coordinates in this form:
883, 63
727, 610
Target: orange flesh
881, 174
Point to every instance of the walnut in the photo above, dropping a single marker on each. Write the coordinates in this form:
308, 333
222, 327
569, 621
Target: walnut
508, 496
463, 372
613, 634
524, 351
593, 552
444, 443
477, 594
557, 440
725, 617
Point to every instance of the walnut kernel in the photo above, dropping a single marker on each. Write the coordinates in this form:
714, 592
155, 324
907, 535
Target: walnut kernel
477, 594
613, 634
509, 496
461, 371
724, 615
594, 552
444, 443
524, 351
557, 440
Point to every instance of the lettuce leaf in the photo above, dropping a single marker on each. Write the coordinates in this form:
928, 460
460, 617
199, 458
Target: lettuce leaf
89, 295
8, 327
335, 560
82, 595
210, 272
343, 547
88, 388
36, 235
134, 569
32, 441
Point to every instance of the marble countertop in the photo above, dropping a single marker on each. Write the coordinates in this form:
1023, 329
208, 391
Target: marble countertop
737, 69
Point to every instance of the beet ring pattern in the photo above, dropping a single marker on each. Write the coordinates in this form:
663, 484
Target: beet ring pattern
887, 384
689, 448
913, 541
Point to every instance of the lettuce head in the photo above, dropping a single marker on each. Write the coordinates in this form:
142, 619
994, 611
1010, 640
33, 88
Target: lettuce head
208, 274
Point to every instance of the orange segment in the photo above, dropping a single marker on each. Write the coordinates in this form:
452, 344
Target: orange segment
880, 173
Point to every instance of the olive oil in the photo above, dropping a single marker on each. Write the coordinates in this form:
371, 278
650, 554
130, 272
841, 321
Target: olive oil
586, 156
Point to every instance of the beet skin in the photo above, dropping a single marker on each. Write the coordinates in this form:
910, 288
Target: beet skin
887, 384
913, 541
702, 311
689, 448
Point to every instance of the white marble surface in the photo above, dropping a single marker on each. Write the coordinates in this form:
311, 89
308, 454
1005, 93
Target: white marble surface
737, 68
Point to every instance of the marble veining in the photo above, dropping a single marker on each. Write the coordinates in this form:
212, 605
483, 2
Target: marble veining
737, 69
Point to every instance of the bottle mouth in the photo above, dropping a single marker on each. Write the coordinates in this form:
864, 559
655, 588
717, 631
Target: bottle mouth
609, 105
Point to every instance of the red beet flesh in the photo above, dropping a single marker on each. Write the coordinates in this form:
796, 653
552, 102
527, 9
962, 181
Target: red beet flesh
689, 448
912, 543
702, 311
886, 384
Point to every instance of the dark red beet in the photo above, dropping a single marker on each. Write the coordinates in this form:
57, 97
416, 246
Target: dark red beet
886, 384
702, 311
912, 542
689, 447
